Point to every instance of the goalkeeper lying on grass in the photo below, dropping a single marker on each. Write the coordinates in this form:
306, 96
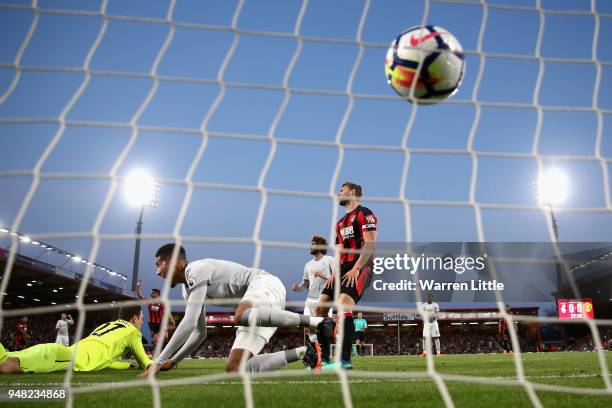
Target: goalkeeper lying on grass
101, 349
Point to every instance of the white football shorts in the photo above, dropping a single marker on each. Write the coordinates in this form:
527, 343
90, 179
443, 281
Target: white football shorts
265, 289
431, 329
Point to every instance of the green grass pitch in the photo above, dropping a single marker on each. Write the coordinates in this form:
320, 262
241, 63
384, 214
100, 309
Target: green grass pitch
578, 370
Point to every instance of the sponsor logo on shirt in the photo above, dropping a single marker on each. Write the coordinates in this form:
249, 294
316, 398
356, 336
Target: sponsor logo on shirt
347, 232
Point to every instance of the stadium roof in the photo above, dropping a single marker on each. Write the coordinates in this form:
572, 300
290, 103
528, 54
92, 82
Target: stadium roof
33, 282
592, 272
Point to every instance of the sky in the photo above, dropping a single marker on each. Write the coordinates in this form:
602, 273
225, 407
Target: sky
243, 123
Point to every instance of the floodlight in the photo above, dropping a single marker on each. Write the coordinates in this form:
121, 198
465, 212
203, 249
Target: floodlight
552, 187
141, 189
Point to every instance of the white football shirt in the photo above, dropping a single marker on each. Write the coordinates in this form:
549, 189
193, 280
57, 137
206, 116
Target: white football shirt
316, 284
62, 327
223, 279
431, 308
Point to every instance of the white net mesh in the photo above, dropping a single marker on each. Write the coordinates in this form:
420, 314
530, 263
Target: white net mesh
409, 202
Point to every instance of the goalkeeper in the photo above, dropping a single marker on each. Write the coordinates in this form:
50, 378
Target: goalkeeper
101, 349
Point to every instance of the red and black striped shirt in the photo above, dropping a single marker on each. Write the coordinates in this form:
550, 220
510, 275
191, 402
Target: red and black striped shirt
21, 328
503, 326
156, 312
349, 231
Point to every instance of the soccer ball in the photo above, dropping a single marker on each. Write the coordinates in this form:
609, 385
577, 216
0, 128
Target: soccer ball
441, 61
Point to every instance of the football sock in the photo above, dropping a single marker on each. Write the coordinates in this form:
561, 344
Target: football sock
325, 344
274, 361
300, 352
267, 362
438, 350
272, 317
349, 334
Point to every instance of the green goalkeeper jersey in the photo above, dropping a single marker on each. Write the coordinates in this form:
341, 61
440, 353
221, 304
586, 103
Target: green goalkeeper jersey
101, 349
107, 343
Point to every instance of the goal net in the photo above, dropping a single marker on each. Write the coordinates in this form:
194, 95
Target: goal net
368, 350
252, 114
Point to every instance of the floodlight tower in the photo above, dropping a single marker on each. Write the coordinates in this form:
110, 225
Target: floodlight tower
551, 189
143, 191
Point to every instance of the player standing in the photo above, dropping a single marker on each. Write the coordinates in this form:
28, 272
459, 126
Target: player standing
360, 326
316, 272
356, 242
260, 297
504, 335
22, 336
101, 349
62, 329
430, 312
155, 314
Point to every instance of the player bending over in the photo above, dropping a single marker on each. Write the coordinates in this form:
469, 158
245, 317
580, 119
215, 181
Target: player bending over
316, 272
101, 349
62, 329
430, 324
355, 231
260, 297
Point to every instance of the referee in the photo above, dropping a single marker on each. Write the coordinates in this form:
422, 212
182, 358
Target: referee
360, 326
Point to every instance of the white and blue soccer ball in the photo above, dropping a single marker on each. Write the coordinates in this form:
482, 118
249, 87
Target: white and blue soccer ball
442, 64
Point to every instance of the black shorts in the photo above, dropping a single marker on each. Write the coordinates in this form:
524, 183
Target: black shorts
359, 335
363, 281
154, 327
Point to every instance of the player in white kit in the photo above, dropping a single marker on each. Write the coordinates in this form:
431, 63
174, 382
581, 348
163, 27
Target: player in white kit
62, 329
430, 312
260, 297
316, 272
